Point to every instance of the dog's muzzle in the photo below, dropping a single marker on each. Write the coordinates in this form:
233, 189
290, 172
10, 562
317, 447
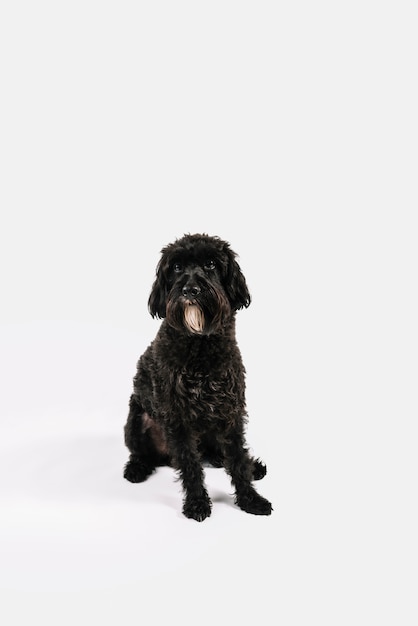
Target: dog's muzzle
194, 318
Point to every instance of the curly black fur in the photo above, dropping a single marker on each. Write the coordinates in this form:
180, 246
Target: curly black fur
188, 402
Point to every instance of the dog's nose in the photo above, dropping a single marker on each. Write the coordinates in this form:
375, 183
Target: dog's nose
191, 290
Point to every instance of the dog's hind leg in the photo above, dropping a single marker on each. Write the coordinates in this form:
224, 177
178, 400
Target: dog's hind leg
143, 458
259, 469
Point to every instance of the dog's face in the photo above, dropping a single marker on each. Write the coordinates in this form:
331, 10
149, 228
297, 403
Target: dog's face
199, 285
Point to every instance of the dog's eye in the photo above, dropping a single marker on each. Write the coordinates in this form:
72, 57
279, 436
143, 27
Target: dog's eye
177, 267
209, 265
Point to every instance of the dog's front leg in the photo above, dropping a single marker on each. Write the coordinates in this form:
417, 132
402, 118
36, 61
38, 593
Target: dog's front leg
240, 467
197, 504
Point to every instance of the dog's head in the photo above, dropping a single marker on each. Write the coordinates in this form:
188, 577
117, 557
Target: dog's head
198, 284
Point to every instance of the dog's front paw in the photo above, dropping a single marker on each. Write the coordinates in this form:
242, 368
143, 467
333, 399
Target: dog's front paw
251, 502
197, 508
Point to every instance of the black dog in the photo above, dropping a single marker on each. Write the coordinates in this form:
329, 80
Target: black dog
188, 404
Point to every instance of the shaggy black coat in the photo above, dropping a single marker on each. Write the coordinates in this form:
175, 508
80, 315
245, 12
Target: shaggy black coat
188, 402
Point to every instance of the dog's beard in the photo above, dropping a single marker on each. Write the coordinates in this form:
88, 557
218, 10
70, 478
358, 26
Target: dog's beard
185, 315
194, 319
199, 316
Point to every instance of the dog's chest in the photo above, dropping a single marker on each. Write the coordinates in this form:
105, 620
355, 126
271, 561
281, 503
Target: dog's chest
209, 384
201, 379
199, 384
205, 394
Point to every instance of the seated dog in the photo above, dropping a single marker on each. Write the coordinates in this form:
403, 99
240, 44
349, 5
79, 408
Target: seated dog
188, 401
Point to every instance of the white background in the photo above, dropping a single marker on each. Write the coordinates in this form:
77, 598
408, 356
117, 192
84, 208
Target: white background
289, 129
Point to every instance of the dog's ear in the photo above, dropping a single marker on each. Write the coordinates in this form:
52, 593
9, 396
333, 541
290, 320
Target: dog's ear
158, 296
236, 284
